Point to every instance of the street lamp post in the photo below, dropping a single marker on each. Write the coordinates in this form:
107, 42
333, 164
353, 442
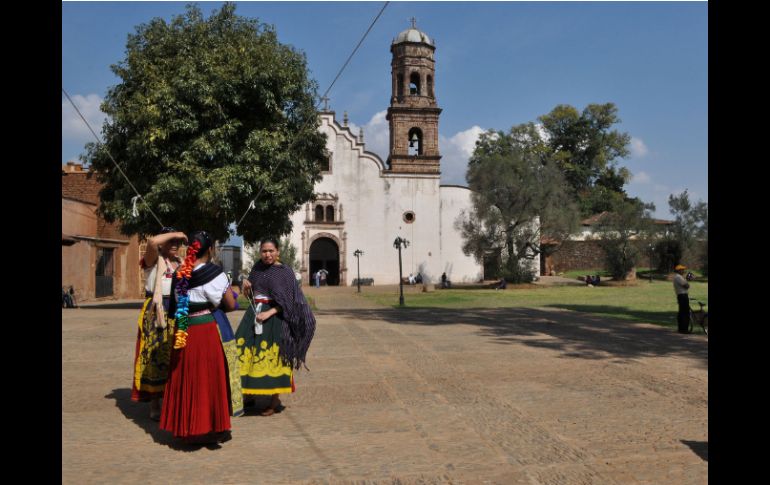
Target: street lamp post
358, 253
397, 244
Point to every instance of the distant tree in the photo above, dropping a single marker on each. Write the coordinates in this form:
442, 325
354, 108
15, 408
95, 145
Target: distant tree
690, 227
206, 111
617, 230
668, 253
587, 150
289, 254
519, 198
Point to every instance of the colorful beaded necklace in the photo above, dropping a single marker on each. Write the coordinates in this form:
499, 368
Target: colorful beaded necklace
182, 299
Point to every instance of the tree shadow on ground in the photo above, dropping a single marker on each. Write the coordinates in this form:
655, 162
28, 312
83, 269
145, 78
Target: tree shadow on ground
665, 318
572, 333
700, 448
139, 414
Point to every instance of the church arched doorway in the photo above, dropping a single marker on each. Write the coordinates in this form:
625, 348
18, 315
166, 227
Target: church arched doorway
325, 255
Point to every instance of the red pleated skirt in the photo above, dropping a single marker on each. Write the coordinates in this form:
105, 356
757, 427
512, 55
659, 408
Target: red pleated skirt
196, 402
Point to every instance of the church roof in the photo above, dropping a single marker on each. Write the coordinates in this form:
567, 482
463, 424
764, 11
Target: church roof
413, 35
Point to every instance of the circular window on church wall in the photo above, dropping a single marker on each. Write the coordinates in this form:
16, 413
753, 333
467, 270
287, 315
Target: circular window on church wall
409, 217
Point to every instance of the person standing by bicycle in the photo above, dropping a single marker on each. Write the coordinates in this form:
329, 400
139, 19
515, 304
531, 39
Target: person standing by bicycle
681, 286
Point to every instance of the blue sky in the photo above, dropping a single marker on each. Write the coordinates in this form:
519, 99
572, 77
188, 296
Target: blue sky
497, 64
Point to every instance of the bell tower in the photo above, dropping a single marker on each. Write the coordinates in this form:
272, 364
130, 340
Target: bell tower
413, 112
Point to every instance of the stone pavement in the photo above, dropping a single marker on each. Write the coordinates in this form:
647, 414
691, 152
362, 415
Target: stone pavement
505, 395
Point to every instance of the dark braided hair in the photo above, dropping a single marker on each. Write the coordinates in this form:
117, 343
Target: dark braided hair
204, 239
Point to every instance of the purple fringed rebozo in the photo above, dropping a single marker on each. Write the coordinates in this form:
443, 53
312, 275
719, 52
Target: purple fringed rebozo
278, 282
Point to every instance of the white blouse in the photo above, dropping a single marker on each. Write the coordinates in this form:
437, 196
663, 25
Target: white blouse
165, 282
210, 292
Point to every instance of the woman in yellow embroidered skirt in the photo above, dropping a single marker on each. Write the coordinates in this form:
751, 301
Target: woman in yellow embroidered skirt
275, 333
156, 329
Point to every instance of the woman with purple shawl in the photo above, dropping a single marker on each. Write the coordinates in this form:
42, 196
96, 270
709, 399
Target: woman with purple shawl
275, 333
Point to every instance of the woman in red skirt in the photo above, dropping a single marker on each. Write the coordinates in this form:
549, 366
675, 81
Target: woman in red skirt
196, 403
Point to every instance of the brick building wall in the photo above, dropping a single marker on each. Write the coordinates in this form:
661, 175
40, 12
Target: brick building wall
80, 221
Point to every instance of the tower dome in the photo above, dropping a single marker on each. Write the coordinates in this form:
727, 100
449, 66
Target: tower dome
413, 35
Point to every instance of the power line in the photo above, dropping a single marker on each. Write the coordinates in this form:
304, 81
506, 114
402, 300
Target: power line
110, 155
254, 200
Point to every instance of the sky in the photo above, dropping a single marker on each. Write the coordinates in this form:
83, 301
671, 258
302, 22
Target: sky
498, 64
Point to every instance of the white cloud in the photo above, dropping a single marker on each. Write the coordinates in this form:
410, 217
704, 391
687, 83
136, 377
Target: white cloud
455, 152
638, 148
641, 178
72, 127
376, 134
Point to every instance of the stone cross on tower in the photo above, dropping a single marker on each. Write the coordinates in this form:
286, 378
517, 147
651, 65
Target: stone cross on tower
326, 103
414, 22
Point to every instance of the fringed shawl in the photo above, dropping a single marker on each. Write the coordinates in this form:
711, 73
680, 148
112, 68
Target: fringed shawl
277, 281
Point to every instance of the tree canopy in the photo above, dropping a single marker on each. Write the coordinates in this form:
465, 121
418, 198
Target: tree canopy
690, 226
520, 198
207, 110
587, 150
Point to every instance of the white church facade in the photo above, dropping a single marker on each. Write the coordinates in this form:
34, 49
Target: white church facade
364, 203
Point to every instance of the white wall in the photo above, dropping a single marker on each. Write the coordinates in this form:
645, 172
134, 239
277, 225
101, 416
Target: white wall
458, 266
373, 204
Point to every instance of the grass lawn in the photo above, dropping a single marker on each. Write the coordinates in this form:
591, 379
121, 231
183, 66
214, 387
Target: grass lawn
641, 301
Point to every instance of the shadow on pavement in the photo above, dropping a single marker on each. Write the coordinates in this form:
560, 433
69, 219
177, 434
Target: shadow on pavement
572, 333
139, 413
700, 448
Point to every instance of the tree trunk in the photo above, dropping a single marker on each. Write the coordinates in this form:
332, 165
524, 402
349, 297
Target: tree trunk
631, 275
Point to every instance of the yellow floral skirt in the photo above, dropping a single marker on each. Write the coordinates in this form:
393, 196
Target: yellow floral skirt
152, 355
262, 372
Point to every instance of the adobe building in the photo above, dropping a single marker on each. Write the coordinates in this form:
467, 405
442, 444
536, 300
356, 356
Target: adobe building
97, 260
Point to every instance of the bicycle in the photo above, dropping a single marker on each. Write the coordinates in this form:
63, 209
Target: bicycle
700, 317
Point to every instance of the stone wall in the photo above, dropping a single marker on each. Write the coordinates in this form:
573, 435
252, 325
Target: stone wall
576, 255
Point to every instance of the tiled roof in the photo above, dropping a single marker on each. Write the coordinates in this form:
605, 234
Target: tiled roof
594, 219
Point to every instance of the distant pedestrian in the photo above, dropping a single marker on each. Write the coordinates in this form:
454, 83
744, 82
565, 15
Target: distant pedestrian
682, 298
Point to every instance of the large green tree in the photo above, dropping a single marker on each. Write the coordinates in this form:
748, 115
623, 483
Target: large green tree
520, 198
587, 150
209, 111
